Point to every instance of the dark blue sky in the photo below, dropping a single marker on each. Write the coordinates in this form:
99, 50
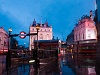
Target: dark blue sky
61, 14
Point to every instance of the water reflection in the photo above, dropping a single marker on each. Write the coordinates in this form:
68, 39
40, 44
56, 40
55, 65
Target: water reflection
81, 64
50, 68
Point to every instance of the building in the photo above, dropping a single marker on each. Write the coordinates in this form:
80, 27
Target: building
97, 21
85, 29
98, 10
45, 32
13, 43
3, 40
48, 48
85, 36
70, 41
48, 44
70, 38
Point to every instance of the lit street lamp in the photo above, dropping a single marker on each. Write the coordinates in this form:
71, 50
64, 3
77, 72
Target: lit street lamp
37, 28
10, 30
8, 56
36, 51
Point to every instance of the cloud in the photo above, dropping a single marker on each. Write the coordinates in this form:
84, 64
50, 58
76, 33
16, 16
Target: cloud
61, 14
21, 11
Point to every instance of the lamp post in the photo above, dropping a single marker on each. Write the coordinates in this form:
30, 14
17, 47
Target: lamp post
10, 30
8, 57
36, 59
37, 28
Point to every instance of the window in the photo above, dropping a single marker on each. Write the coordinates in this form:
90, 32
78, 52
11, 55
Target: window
76, 37
83, 36
79, 36
34, 38
41, 29
41, 37
89, 35
0, 40
47, 37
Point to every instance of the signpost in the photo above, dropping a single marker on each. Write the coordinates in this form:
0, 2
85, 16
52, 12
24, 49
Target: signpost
22, 34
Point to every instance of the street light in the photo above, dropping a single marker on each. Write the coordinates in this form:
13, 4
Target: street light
37, 28
8, 57
36, 59
10, 30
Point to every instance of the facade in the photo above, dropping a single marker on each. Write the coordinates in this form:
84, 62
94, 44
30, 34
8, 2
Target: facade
97, 21
3, 40
45, 32
70, 38
13, 43
70, 41
47, 48
48, 44
85, 29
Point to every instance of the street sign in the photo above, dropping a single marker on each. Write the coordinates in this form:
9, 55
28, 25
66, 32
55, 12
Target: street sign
22, 34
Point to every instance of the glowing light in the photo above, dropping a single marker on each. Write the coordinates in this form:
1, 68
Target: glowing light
31, 61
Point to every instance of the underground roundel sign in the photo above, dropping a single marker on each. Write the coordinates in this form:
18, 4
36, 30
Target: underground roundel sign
22, 34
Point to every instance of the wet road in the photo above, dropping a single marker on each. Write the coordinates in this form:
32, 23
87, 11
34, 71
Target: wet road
69, 64
73, 64
47, 67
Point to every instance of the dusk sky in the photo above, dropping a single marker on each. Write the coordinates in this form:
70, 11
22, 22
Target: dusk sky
60, 14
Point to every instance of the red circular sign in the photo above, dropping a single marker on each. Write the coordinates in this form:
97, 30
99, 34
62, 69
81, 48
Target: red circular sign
22, 34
